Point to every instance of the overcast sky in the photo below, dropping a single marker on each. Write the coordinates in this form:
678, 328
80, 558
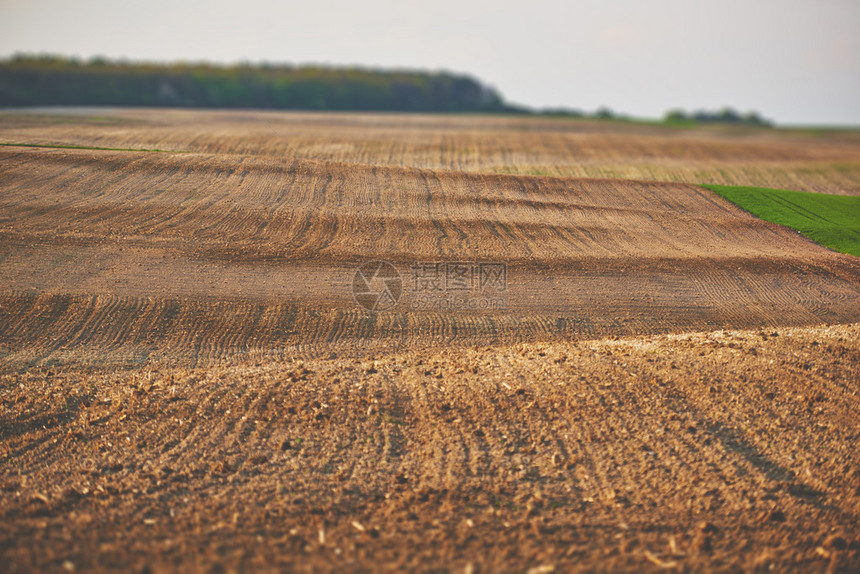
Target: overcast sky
795, 61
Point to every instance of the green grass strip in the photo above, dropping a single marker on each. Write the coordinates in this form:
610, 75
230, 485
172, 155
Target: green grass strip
61, 146
831, 220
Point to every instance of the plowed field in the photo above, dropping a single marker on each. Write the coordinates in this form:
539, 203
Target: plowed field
188, 380
803, 160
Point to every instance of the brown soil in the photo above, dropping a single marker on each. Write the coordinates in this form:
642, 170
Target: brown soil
129, 255
727, 451
809, 160
187, 382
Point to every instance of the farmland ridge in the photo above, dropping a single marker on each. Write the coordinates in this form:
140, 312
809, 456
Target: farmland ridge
133, 252
628, 373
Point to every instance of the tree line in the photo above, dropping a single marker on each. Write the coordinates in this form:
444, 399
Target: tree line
46, 80
723, 116
51, 80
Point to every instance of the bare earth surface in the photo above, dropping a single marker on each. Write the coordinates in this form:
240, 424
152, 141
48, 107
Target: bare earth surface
727, 451
187, 381
807, 160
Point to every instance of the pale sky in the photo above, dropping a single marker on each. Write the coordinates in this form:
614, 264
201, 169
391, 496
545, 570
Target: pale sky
794, 61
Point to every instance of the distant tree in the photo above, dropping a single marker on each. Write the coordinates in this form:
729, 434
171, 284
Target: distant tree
724, 116
728, 116
604, 113
676, 116
53, 80
755, 119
